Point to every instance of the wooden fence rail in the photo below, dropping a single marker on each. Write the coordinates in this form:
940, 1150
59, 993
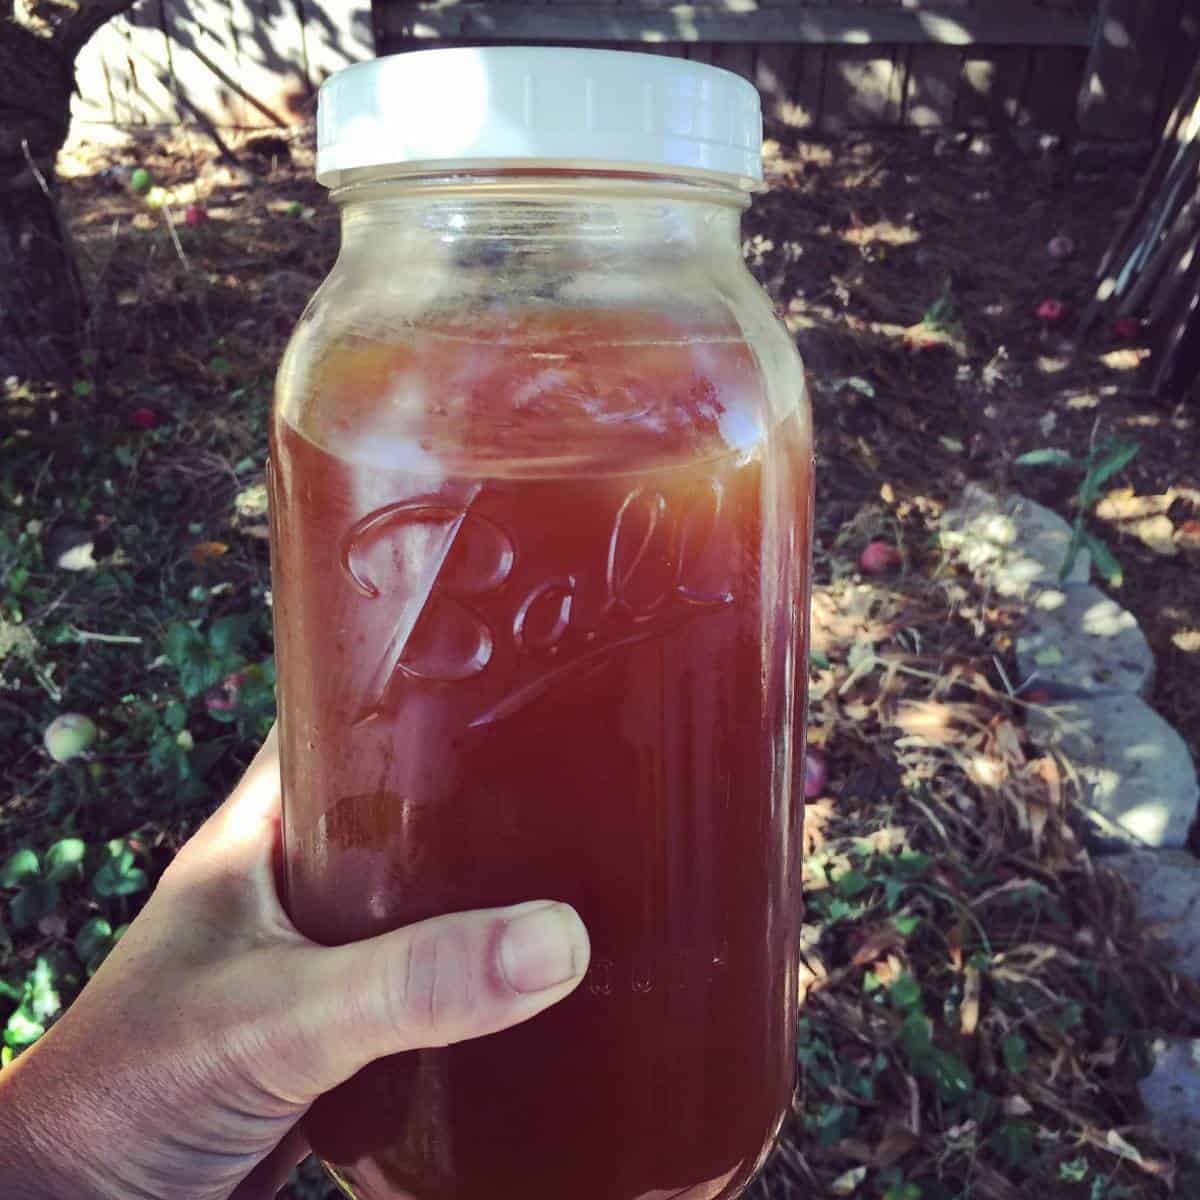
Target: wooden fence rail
1104, 69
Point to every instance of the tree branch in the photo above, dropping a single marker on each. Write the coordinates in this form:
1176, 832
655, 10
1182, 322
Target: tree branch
73, 27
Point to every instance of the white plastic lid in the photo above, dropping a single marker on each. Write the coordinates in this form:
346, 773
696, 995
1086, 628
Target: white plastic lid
538, 104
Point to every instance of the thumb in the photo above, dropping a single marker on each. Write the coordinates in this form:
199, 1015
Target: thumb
440, 981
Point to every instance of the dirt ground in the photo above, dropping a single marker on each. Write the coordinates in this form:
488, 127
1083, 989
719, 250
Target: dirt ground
859, 240
910, 270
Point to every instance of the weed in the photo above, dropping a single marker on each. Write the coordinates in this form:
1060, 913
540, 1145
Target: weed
1103, 461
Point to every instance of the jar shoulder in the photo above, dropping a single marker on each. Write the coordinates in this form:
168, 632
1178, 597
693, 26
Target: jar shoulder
598, 370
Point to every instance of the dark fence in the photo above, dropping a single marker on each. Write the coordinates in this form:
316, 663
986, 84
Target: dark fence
1103, 69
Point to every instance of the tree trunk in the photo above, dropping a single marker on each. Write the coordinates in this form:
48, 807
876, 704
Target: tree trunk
41, 302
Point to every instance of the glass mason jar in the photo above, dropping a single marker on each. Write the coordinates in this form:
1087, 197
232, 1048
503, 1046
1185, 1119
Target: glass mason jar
541, 498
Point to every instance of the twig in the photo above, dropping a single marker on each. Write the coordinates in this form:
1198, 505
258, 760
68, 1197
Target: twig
166, 212
116, 639
37, 172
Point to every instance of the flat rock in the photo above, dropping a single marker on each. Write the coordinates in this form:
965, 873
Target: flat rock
1139, 781
1010, 543
1171, 1093
1077, 640
1167, 886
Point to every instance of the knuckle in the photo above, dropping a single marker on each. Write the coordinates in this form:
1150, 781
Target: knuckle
433, 991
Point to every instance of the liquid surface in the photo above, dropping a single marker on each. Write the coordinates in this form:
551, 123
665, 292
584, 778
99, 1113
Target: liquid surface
501, 686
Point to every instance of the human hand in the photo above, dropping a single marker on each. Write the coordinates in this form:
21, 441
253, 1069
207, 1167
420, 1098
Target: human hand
183, 1067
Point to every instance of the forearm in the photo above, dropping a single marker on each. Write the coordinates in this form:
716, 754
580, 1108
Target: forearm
39, 1136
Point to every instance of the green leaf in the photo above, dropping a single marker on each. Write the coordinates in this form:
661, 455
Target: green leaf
227, 634
911, 865
1076, 544
1014, 1142
905, 993
1045, 458
44, 1000
118, 876
111, 880
95, 938
1104, 560
34, 901
951, 1076
178, 643
852, 883
916, 1037
833, 1123
65, 859
175, 716
21, 866
1121, 456
22, 1030
1070, 1017
907, 925
1016, 1053
1073, 1170
220, 366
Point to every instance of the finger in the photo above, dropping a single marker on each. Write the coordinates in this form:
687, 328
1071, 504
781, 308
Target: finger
264, 1182
430, 984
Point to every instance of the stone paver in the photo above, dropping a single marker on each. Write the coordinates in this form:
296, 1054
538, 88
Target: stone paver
1011, 543
1167, 886
1136, 771
1139, 784
1077, 640
1171, 1093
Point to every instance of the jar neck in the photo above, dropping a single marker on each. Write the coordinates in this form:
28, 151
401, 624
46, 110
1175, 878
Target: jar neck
641, 219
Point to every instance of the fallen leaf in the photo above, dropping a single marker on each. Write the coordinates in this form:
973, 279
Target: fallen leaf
968, 1010
880, 942
1188, 535
78, 558
893, 1146
1119, 1146
1124, 360
251, 501
1124, 505
847, 1184
1158, 533
204, 552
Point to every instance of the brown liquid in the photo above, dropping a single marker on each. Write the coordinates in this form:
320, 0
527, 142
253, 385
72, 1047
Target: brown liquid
580, 687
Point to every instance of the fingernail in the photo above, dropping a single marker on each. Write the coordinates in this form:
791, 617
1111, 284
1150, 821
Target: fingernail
543, 947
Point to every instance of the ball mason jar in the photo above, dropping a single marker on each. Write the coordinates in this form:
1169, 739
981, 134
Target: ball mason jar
541, 477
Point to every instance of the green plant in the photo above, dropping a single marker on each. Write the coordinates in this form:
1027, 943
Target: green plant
35, 882
942, 315
1103, 461
69, 883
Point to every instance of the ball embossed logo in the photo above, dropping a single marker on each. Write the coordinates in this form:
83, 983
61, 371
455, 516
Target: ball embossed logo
651, 577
